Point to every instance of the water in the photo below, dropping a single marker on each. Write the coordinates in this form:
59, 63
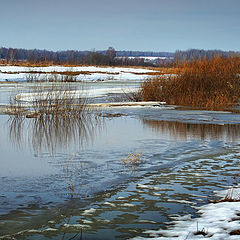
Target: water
63, 180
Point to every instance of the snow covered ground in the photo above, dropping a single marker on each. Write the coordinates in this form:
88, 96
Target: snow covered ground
73, 69
29, 97
216, 221
88, 73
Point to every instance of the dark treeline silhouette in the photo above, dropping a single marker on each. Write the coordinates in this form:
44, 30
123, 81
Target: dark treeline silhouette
106, 57
109, 57
198, 54
144, 54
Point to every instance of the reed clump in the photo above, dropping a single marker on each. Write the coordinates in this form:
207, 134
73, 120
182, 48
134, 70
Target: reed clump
52, 117
133, 159
231, 196
212, 84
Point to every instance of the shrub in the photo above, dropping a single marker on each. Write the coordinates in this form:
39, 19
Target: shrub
213, 84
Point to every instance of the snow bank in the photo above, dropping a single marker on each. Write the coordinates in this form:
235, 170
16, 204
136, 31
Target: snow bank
216, 221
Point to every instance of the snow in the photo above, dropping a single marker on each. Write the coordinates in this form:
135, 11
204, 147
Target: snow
88, 73
126, 205
143, 186
75, 226
217, 220
9, 76
148, 58
89, 211
110, 204
29, 97
73, 69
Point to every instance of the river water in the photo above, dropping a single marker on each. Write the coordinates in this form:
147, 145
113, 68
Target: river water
69, 180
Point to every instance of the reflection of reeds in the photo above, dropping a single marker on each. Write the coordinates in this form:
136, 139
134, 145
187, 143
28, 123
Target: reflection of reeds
53, 131
70, 190
54, 120
230, 132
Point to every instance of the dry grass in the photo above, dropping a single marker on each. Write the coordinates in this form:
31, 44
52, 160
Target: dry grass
70, 190
130, 96
133, 159
51, 77
212, 84
52, 120
56, 99
231, 196
235, 232
202, 232
162, 70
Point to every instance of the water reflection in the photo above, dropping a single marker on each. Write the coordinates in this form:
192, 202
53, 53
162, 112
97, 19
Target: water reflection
53, 131
179, 130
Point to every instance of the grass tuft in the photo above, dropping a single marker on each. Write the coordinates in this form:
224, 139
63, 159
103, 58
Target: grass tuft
133, 159
202, 232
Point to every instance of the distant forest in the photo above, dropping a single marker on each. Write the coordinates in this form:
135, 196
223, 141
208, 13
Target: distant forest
197, 54
107, 57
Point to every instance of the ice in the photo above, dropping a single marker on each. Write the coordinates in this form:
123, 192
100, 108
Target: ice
29, 97
110, 204
75, 226
127, 205
216, 220
149, 187
89, 211
73, 69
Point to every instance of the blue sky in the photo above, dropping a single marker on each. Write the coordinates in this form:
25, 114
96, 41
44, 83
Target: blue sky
145, 25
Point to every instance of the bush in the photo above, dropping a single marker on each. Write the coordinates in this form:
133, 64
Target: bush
213, 84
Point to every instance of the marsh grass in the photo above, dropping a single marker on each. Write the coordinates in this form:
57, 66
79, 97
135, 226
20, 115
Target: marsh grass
231, 196
53, 119
211, 84
133, 159
51, 77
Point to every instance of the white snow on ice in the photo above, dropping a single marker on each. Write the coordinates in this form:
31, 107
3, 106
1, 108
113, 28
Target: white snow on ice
29, 97
217, 220
89, 211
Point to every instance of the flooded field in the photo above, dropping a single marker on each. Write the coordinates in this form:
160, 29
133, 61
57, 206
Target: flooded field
74, 178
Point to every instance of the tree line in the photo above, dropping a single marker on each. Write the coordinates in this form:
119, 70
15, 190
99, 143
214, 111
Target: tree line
198, 54
109, 57
72, 57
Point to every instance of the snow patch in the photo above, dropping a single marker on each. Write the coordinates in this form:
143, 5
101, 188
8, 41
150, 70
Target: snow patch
89, 211
216, 220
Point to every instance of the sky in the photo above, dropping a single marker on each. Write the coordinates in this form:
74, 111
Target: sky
143, 25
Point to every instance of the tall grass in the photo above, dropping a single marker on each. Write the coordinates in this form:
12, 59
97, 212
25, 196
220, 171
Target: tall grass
213, 84
51, 77
54, 118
